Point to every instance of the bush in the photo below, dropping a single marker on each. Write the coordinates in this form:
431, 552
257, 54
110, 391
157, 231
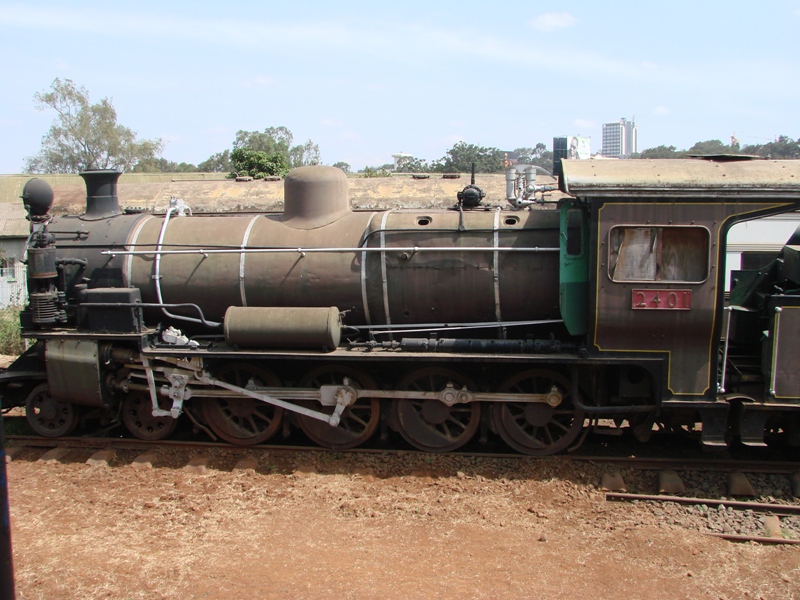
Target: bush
257, 164
369, 172
11, 342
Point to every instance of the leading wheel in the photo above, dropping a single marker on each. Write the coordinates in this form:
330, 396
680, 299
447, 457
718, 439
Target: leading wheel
49, 417
242, 420
431, 425
358, 422
137, 415
536, 428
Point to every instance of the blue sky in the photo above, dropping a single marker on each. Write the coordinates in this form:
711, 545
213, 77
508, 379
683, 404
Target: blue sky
366, 79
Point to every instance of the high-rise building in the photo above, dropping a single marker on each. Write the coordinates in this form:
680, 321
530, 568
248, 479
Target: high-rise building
619, 139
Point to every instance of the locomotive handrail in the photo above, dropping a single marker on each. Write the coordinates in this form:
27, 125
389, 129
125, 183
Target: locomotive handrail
414, 249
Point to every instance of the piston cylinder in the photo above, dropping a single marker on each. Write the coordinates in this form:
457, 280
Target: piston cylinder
284, 328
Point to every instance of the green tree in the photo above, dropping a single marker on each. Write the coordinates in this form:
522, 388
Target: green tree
217, 163
710, 147
660, 152
278, 140
257, 163
343, 166
410, 164
461, 156
162, 165
538, 156
304, 154
86, 136
782, 147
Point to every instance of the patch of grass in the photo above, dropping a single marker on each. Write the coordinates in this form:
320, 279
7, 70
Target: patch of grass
10, 341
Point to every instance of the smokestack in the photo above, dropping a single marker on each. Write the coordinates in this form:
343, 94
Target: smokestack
101, 193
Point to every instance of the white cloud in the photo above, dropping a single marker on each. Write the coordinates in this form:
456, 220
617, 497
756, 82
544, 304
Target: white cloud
584, 123
661, 110
330, 122
649, 64
553, 21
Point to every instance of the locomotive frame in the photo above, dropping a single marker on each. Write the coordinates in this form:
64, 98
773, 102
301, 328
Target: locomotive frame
528, 322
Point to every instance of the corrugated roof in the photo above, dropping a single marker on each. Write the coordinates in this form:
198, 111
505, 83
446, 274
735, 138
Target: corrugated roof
12, 221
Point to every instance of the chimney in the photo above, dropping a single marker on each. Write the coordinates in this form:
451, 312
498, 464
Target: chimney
101, 193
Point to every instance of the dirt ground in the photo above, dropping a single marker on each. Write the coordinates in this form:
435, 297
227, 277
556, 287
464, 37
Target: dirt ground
385, 525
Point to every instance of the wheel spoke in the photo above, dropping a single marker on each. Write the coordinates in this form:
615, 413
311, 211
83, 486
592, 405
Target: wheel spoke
537, 429
241, 420
431, 425
137, 415
358, 422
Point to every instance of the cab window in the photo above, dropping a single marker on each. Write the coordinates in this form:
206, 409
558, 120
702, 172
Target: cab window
658, 254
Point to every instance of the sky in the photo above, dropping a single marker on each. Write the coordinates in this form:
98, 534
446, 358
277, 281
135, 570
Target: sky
364, 80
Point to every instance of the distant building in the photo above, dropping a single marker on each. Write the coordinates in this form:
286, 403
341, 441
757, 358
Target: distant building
619, 139
14, 231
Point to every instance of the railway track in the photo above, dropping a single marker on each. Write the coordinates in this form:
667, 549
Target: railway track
738, 500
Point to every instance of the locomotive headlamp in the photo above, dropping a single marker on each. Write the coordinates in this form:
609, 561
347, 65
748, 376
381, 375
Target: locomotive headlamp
471, 196
37, 196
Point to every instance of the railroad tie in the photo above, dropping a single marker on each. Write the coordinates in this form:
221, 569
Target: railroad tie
100, 458
669, 482
12, 452
739, 485
198, 464
145, 460
612, 481
54, 455
772, 526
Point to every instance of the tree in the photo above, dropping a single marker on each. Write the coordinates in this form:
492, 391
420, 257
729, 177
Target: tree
86, 136
539, 156
461, 156
660, 152
710, 147
273, 140
278, 140
162, 165
343, 166
409, 164
304, 154
217, 163
783, 147
257, 163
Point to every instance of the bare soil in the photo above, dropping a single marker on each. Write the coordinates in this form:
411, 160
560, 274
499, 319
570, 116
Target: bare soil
385, 525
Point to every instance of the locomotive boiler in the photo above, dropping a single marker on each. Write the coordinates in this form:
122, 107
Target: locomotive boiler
532, 321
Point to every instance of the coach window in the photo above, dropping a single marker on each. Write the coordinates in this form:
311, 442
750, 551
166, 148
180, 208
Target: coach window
658, 254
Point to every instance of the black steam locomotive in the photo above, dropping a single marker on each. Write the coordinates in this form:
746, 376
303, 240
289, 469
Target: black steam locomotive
536, 321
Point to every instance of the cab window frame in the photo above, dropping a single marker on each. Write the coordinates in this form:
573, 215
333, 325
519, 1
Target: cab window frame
667, 242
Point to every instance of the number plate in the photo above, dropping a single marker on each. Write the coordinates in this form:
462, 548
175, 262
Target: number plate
661, 299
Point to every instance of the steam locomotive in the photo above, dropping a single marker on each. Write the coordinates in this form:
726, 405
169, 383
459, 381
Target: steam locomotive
535, 322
